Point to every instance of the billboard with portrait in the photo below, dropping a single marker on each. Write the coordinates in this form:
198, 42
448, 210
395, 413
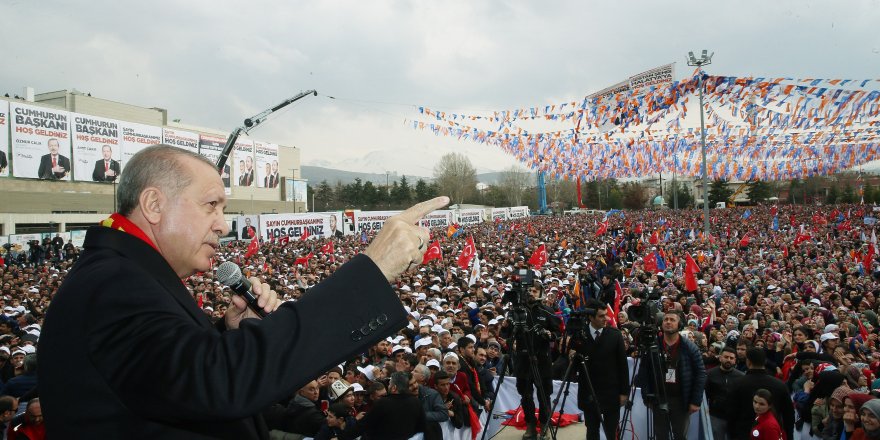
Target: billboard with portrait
40, 142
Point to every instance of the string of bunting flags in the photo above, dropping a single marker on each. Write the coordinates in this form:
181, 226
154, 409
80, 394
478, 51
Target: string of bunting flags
756, 129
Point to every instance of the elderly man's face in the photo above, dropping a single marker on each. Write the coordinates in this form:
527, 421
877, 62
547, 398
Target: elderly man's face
106, 152
53, 146
189, 226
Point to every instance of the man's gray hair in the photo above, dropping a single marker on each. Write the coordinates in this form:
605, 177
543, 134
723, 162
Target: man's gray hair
400, 381
423, 370
159, 166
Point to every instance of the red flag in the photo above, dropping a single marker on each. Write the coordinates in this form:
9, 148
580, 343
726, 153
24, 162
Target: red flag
305, 234
253, 247
863, 332
432, 253
327, 248
539, 257
785, 251
774, 210
614, 311
691, 269
744, 242
655, 238
868, 260
801, 237
467, 254
638, 230
651, 263
284, 240
303, 260
603, 228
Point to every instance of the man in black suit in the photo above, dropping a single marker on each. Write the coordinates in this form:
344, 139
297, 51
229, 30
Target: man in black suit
53, 166
273, 175
397, 416
604, 355
248, 231
741, 413
106, 169
126, 352
247, 179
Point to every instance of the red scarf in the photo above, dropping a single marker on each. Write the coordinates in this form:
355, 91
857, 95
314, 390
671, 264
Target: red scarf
120, 222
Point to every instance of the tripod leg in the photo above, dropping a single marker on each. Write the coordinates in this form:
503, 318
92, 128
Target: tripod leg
506, 365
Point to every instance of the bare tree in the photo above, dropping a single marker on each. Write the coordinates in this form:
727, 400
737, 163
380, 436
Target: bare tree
513, 182
456, 177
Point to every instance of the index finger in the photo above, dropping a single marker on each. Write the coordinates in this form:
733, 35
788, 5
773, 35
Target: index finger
417, 211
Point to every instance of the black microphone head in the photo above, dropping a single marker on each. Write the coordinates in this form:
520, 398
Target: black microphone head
228, 273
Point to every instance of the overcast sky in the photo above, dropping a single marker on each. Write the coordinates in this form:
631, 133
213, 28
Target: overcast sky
213, 63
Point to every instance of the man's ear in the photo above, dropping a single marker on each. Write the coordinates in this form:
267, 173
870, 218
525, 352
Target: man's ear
152, 201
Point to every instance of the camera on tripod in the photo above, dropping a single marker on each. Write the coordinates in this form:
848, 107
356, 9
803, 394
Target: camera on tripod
519, 296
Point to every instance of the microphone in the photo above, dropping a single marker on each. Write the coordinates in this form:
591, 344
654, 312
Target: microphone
230, 275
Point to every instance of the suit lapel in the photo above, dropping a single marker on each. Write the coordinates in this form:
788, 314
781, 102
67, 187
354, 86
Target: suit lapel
150, 261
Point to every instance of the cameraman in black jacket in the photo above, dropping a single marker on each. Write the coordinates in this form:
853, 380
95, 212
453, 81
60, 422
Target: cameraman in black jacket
540, 327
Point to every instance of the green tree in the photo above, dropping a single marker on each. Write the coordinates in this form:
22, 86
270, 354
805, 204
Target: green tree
456, 177
833, 195
634, 195
401, 195
422, 190
371, 196
352, 195
685, 198
848, 195
513, 182
719, 192
324, 197
759, 191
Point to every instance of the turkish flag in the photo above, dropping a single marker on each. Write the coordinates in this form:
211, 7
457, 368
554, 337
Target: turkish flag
470, 249
801, 238
651, 263
539, 257
655, 238
327, 248
745, 240
253, 247
691, 269
868, 260
638, 230
774, 210
303, 260
305, 234
284, 240
602, 229
433, 252
614, 311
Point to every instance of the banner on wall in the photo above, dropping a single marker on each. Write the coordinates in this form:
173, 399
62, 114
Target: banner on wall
470, 216
211, 146
297, 191
97, 151
4, 138
499, 214
136, 137
40, 142
246, 226
266, 158
519, 212
186, 140
78, 238
437, 219
371, 221
337, 224
275, 226
243, 163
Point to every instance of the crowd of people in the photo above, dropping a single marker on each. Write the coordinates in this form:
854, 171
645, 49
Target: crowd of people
780, 331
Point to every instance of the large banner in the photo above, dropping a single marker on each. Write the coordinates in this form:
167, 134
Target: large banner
211, 146
136, 137
266, 157
40, 142
97, 151
658, 76
4, 138
519, 212
181, 139
437, 219
470, 216
371, 221
499, 214
297, 191
243, 163
275, 226
78, 238
337, 224
246, 227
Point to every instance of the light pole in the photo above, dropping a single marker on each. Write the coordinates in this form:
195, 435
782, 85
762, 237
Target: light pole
703, 61
293, 186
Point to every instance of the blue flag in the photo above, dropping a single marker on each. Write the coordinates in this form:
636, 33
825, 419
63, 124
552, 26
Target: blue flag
747, 214
775, 225
363, 236
661, 262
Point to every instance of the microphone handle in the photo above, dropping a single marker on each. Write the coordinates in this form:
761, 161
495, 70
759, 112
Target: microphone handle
243, 289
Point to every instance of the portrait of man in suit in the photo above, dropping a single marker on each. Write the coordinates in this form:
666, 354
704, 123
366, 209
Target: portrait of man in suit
53, 166
106, 169
273, 175
224, 175
246, 172
3, 162
267, 180
248, 231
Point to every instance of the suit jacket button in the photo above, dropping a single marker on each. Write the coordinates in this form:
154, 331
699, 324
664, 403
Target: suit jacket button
365, 330
356, 336
382, 319
374, 324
